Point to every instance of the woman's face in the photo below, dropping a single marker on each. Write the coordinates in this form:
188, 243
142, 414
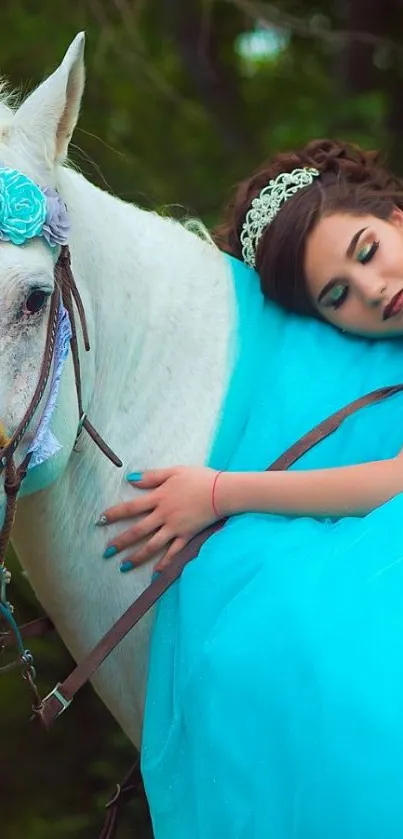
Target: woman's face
354, 272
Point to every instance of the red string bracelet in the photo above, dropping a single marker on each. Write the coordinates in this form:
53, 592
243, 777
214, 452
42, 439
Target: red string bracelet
213, 504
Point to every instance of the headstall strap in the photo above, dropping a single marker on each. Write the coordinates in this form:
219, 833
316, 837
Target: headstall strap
12, 483
65, 290
69, 293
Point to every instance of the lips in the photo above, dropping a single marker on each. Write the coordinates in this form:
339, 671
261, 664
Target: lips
394, 307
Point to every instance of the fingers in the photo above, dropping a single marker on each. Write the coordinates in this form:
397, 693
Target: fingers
127, 510
137, 506
174, 549
150, 479
133, 534
151, 525
153, 546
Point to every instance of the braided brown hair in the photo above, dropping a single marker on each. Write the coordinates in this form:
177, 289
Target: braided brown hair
351, 181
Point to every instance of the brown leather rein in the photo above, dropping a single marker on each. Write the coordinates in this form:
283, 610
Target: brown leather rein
65, 291
59, 699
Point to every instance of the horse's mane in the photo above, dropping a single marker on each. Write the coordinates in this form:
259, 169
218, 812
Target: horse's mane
8, 103
196, 226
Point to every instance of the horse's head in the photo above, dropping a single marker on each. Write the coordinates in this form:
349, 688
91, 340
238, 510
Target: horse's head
33, 143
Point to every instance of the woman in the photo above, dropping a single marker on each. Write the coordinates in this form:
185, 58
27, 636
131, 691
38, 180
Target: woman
275, 697
333, 250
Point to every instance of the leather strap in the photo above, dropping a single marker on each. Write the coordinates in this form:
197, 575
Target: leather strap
130, 786
62, 695
330, 425
34, 629
8, 450
65, 289
70, 293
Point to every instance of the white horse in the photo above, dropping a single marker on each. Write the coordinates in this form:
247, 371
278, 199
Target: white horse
161, 309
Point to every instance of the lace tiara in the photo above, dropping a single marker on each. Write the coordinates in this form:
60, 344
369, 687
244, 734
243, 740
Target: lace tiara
265, 207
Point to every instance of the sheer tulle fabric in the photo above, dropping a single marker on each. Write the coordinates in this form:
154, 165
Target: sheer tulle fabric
275, 695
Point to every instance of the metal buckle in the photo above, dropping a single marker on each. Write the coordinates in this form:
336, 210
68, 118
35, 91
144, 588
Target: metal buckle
81, 423
5, 579
60, 698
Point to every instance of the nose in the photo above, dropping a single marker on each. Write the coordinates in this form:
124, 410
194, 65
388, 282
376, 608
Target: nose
372, 290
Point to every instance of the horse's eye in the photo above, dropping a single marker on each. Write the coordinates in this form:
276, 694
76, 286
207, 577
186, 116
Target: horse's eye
35, 302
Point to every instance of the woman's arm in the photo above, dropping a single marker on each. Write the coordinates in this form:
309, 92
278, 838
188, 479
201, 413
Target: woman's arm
182, 501
345, 491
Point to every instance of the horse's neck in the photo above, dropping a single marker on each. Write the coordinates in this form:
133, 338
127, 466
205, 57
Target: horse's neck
155, 294
161, 312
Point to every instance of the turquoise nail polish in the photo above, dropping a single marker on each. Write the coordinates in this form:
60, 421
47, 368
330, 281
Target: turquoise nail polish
134, 476
111, 551
126, 566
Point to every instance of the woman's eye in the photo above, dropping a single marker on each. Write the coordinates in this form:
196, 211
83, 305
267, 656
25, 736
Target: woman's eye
35, 302
338, 295
367, 251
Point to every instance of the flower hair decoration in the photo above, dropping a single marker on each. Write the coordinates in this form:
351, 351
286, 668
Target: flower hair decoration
28, 210
265, 207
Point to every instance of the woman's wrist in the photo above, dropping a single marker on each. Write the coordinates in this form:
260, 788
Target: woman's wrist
230, 494
214, 505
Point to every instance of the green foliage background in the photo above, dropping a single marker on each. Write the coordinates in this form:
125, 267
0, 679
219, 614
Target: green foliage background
173, 115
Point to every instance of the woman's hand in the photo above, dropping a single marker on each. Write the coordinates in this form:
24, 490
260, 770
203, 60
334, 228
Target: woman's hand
177, 504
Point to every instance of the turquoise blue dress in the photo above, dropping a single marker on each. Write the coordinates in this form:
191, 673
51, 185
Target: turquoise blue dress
275, 695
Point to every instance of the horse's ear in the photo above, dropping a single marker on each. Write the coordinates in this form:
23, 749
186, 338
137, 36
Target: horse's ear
48, 116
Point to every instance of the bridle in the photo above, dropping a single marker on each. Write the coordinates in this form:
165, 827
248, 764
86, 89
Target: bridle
53, 705
65, 292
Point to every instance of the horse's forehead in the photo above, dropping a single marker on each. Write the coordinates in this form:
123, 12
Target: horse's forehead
15, 149
11, 156
19, 262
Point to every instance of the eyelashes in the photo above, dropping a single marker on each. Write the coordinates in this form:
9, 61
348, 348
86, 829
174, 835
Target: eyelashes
368, 254
364, 256
341, 298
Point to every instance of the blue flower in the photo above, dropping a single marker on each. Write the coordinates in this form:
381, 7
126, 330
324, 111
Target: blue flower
57, 222
23, 207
